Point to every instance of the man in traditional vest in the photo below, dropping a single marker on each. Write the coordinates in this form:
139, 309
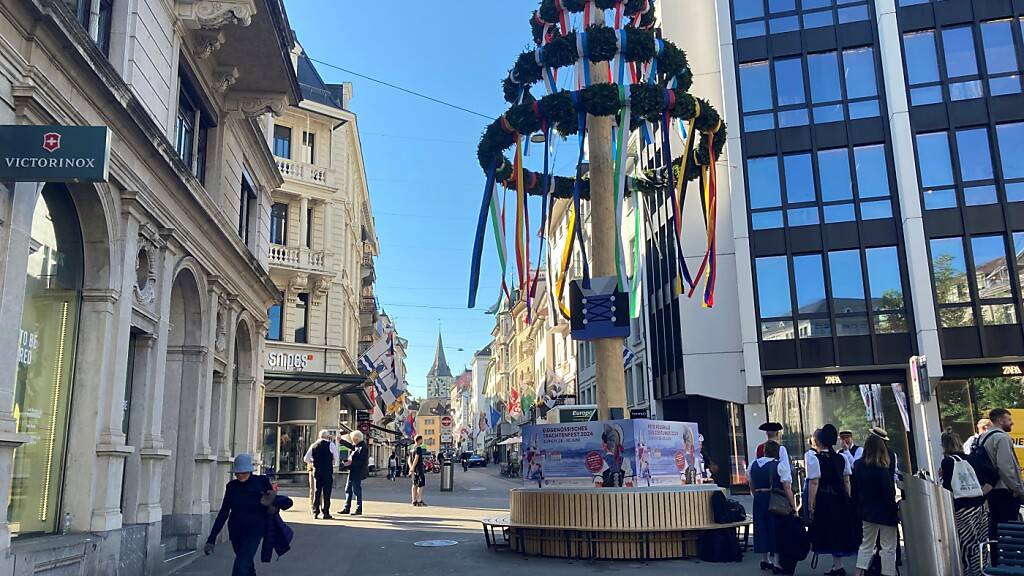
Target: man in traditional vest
850, 449
323, 456
773, 430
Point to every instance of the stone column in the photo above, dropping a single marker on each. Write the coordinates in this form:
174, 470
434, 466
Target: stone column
246, 416
135, 483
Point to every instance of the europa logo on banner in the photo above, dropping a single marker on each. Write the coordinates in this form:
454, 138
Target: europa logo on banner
611, 454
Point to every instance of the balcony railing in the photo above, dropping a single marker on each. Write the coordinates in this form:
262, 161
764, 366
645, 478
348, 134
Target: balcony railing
302, 172
368, 305
301, 258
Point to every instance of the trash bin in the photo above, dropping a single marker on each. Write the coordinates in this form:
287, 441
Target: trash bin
447, 476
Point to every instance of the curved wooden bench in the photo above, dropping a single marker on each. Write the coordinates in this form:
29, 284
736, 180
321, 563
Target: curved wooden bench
608, 523
490, 524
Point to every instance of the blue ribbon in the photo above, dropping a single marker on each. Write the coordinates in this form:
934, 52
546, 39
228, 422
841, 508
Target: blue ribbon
585, 60
622, 57
577, 102
481, 231
667, 155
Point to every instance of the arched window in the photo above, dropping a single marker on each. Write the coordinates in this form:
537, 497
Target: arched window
46, 359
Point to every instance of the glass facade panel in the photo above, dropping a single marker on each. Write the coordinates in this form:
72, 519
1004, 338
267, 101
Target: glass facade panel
998, 314
949, 271
997, 39
803, 216
919, 51
789, 82
1011, 149
940, 198
823, 72
965, 90
990, 267
980, 195
839, 213
773, 291
818, 19
755, 86
884, 278
974, 153
853, 14
799, 178
876, 210
1018, 256
1015, 192
745, 9
834, 169
933, 159
872, 171
750, 29
810, 284
859, 67
763, 182
847, 281
785, 24
825, 114
766, 220
958, 48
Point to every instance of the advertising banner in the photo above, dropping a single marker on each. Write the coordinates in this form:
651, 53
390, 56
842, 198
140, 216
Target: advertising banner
1017, 434
611, 453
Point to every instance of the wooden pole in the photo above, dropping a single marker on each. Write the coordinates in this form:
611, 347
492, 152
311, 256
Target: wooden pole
611, 380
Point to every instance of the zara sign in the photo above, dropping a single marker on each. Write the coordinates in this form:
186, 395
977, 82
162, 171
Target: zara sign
54, 153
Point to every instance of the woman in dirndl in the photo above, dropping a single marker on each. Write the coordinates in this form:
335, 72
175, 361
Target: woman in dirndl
763, 475
970, 514
835, 526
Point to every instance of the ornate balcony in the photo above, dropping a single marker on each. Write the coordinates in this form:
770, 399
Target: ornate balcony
303, 172
316, 261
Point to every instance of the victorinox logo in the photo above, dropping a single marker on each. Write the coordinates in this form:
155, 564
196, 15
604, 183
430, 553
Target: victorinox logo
51, 142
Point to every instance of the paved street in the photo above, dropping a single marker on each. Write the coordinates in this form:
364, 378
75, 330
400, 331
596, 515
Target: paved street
381, 541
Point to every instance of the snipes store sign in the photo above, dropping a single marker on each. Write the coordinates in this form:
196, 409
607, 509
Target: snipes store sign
54, 153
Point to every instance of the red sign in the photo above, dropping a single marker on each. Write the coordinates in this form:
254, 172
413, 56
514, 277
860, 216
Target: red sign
680, 460
594, 462
364, 427
446, 422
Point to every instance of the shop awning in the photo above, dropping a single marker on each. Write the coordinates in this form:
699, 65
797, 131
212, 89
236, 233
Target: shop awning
351, 386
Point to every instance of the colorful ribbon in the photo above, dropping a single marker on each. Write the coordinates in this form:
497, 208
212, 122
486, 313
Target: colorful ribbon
622, 147
481, 231
570, 240
582, 132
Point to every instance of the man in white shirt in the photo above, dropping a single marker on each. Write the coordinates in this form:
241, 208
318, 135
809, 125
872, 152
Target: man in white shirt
848, 447
983, 425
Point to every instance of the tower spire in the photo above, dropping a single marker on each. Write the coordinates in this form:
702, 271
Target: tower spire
440, 367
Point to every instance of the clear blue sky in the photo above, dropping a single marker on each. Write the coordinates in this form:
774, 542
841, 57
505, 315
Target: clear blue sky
420, 157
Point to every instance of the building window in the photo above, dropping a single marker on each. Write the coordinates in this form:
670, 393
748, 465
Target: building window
974, 162
246, 207
282, 141
922, 68
1001, 65
279, 224
309, 147
774, 298
82, 12
888, 312
275, 317
1010, 139
191, 127
783, 15
949, 278
992, 275
301, 331
787, 99
309, 227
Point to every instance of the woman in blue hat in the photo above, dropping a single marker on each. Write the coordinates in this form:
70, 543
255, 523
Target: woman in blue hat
246, 507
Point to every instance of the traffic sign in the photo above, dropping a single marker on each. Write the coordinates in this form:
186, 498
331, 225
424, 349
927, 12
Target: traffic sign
446, 422
446, 438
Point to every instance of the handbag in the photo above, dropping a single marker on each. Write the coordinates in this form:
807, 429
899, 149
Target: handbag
778, 502
964, 482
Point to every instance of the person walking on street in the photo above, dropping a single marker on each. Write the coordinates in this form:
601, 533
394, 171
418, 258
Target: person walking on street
1007, 495
874, 490
417, 467
969, 511
322, 457
983, 425
392, 466
763, 477
245, 509
358, 470
834, 529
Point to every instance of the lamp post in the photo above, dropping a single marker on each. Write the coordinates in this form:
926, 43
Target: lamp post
610, 377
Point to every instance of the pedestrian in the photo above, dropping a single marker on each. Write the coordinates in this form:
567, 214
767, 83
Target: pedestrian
810, 454
874, 489
982, 426
322, 457
417, 467
773, 431
392, 466
245, 510
763, 477
849, 447
969, 510
1007, 494
893, 462
358, 466
834, 528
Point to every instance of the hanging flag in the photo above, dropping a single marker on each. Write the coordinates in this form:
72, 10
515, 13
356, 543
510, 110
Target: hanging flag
627, 356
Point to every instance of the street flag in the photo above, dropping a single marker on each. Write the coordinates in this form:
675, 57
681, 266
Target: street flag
379, 362
410, 425
627, 356
494, 417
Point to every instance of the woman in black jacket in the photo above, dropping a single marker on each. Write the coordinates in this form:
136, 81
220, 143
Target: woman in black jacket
358, 464
246, 511
875, 495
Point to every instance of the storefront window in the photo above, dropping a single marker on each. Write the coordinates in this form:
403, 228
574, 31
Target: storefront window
288, 431
963, 402
46, 359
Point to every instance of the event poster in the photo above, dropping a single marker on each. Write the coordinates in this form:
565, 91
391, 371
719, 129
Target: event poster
1017, 434
616, 453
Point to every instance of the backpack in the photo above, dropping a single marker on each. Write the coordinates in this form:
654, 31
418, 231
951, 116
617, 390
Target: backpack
720, 545
726, 510
964, 482
984, 468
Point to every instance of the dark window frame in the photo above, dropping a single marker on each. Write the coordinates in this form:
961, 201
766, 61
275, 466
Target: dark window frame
246, 207
301, 333
192, 124
282, 144
279, 223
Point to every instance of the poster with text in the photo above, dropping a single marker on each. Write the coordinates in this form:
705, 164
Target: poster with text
667, 453
579, 454
1017, 434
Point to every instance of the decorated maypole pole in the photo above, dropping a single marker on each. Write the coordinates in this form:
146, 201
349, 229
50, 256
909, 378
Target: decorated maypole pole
626, 79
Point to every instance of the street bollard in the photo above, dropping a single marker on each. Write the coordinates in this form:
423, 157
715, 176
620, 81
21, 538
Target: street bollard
447, 476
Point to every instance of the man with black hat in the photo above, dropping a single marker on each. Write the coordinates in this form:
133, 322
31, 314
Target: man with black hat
773, 430
849, 446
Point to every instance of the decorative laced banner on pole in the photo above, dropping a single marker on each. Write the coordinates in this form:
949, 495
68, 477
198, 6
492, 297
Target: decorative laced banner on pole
650, 81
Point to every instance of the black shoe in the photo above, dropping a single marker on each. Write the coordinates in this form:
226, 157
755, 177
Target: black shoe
358, 512
345, 511
328, 517
316, 515
765, 566
836, 572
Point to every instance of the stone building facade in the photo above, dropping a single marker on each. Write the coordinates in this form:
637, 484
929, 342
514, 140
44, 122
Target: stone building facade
141, 301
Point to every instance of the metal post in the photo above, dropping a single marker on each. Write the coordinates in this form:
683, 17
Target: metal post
611, 380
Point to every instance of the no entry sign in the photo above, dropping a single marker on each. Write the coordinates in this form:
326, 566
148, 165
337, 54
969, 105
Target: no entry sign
446, 422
